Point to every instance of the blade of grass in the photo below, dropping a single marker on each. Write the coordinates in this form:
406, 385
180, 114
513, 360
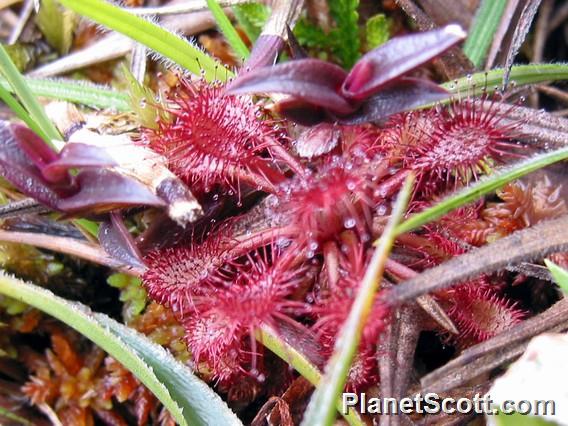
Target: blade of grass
188, 399
27, 98
14, 417
224, 24
151, 35
559, 274
321, 409
18, 109
521, 75
482, 187
483, 29
76, 92
302, 365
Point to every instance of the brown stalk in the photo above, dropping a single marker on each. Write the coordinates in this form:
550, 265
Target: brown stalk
69, 246
525, 245
484, 357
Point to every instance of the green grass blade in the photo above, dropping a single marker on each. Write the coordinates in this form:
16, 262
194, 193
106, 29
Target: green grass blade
482, 187
321, 409
559, 274
75, 92
224, 24
302, 365
521, 75
188, 399
150, 35
27, 99
483, 29
18, 109
14, 417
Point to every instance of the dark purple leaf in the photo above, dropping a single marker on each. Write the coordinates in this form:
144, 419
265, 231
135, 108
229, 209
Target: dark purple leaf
264, 52
311, 80
104, 190
117, 242
35, 147
77, 155
395, 58
17, 168
301, 112
405, 94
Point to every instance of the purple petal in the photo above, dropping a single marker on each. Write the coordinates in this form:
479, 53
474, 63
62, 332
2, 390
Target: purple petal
77, 155
103, 190
118, 243
405, 94
17, 168
395, 58
311, 80
264, 53
34, 146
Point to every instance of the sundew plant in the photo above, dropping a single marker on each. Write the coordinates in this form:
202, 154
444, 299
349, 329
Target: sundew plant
233, 213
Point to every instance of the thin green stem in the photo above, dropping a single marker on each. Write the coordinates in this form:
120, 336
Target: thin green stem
27, 98
224, 24
307, 370
482, 187
321, 409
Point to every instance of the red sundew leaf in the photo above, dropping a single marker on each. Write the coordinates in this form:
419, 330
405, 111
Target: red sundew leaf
103, 190
403, 95
311, 80
76, 155
118, 243
396, 57
20, 171
264, 53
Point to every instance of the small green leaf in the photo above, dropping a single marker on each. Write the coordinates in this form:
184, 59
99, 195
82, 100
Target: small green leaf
152, 36
377, 30
483, 29
56, 24
310, 35
321, 409
559, 274
517, 419
188, 399
143, 102
224, 24
252, 17
483, 186
346, 33
132, 294
20, 55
